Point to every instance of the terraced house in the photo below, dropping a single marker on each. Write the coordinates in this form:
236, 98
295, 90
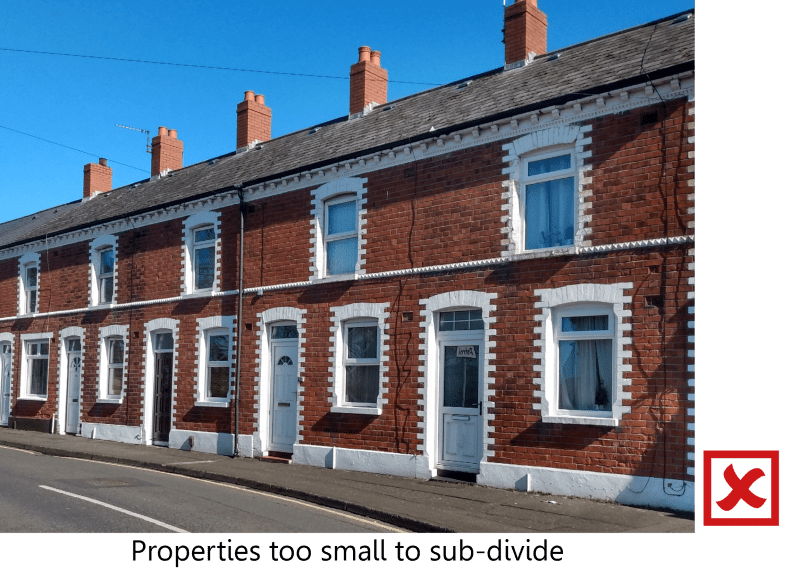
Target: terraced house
491, 278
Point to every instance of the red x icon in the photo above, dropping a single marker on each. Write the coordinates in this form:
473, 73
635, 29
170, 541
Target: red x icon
740, 489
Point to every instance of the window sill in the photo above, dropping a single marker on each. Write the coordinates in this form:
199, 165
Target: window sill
105, 305
32, 398
356, 410
337, 278
109, 400
581, 420
225, 403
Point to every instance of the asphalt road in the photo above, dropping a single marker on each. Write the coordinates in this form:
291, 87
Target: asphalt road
40, 493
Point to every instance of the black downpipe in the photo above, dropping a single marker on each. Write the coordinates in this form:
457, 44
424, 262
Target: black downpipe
239, 325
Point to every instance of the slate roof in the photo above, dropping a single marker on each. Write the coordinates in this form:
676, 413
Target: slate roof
593, 67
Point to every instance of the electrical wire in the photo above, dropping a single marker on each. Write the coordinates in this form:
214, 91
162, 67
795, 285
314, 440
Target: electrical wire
223, 68
71, 148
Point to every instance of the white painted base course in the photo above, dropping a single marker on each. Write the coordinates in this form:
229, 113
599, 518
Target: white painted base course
107, 432
397, 464
205, 442
625, 489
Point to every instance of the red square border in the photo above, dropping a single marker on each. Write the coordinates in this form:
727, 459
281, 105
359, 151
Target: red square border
707, 500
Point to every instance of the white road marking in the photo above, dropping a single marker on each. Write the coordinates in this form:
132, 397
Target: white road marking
115, 508
288, 500
17, 449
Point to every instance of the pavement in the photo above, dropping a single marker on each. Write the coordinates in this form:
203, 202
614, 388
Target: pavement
412, 504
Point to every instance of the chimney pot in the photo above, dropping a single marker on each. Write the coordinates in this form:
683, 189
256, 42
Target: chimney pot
368, 81
253, 120
167, 151
96, 178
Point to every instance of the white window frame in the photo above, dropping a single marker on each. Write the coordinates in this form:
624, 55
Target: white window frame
191, 225
97, 247
365, 362
526, 180
581, 300
358, 315
540, 144
342, 199
207, 327
25, 368
108, 334
26, 262
337, 191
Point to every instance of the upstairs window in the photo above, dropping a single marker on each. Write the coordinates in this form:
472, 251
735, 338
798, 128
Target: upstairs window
106, 276
203, 258
201, 235
102, 284
30, 281
341, 235
549, 201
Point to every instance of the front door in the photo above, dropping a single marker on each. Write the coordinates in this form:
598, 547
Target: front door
162, 387
73, 385
5, 382
283, 427
461, 405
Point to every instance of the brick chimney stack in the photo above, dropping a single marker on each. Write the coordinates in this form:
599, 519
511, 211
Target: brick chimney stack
525, 30
368, 81
96, 178
167, 152
253, 120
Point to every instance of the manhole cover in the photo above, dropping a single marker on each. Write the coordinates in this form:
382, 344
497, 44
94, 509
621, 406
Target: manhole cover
107, 483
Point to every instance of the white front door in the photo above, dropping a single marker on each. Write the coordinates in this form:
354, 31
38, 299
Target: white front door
283, 426
460, 404
5, 383
73, 391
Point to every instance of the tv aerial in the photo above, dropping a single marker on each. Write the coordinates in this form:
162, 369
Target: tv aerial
146, 133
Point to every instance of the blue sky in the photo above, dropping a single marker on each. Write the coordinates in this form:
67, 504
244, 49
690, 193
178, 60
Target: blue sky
78, 101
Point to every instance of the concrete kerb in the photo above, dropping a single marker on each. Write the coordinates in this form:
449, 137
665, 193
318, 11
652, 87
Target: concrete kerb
324, 501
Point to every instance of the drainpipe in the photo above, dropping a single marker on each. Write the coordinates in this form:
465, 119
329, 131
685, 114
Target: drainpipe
239, 323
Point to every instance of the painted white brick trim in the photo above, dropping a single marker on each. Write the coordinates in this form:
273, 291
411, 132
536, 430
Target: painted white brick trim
340, 315
429, 366
162, 324
318, 198
106, 241
264, 378
550, 299
187, 265
63, 374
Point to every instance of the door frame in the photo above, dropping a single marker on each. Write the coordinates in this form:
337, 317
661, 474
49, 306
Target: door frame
154, 390
161, 325
273, 355
268, 319
78, 333
68, 361
7, 339
452, 339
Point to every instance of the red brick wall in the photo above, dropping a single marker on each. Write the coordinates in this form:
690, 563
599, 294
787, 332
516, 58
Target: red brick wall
633, 197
